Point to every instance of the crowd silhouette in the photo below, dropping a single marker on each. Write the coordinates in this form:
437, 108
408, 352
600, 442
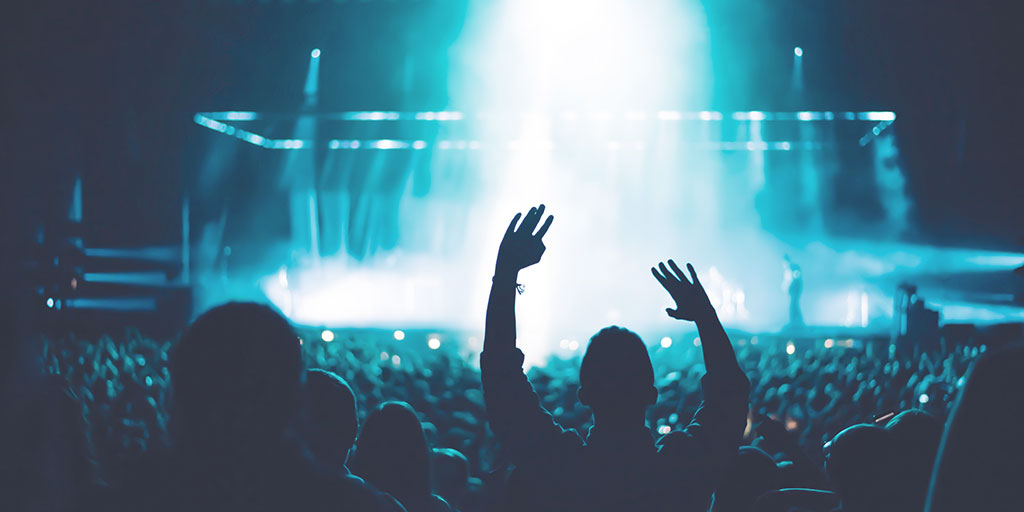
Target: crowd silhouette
238, 415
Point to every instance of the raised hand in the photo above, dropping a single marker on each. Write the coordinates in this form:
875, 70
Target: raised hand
522, 246
691, 301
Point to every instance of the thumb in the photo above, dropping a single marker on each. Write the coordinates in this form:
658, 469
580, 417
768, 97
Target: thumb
674, 313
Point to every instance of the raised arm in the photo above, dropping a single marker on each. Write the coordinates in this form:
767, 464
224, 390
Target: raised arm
526, 431
520, 248
717, 426
692, 304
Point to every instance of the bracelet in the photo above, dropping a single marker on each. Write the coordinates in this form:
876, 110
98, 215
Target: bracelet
519, 288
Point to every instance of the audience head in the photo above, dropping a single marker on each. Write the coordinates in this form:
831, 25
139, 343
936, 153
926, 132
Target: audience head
616, 376
917, 435
236, 378
330, 423
861, 463
391, 453
451, 474
978, 465
751, 474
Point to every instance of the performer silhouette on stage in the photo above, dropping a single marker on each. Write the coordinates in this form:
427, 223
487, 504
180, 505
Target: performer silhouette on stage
793, 283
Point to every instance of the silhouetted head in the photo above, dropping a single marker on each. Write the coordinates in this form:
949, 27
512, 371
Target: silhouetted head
48, 461
978, 465
751, 474
329, 423
917, 435
451, 474
391, 453
236, 376
616, 376
861, 463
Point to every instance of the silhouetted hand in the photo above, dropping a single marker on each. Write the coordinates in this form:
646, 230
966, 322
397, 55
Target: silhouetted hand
691, 301
521, 247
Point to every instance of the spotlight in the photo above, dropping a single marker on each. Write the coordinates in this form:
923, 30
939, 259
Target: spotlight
799, 52
49, 302
399, 335
315, 53
327, 335
696, 342
790, 348
666, 342
664, 429
434, 343
829, 343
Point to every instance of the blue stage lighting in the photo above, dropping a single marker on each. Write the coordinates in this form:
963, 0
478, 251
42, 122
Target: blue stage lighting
315, 53
799, 52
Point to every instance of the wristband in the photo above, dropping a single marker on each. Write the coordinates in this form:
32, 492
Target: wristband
519, 288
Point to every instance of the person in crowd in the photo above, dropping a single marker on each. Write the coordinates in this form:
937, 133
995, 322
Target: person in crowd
917, 435
796, 468
46, 462
330, 422
862, 464
237, 378
618, 466
751, 474
978, 464
392, 455
451, 475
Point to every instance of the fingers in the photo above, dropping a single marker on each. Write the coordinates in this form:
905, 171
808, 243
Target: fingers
668, 275
693, 275
674, 313
530, 221
661, 279
678, 273
512, 225
544, 228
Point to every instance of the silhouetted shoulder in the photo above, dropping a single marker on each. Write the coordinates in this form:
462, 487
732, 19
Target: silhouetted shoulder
350, 493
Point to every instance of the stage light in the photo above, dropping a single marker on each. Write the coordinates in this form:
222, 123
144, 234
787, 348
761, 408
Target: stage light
149, 381
399, 335
666, 342
396, 360
327, 335
315, 53
696, 342
664, 429
434, 343
49, 302
799, 52
564, 343
790, 348
923, 398
829, 343
574, 345
384, 356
